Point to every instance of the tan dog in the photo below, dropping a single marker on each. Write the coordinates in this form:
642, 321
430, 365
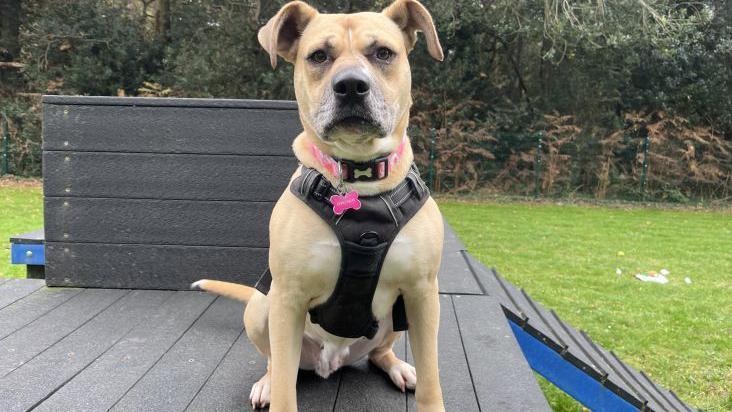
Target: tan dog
369, 50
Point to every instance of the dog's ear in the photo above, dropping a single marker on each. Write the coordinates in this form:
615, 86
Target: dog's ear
282, 32
411, 16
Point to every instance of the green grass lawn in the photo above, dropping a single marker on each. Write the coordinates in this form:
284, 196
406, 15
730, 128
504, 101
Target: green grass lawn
565, 257
21, 210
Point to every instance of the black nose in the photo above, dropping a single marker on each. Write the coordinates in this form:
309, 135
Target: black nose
351, 85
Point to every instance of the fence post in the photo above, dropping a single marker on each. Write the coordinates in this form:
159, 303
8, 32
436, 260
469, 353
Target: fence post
6, 137
537, 165
644, 172
431, 169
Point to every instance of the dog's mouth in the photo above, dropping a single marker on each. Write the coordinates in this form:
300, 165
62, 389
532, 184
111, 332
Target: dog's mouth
354, 124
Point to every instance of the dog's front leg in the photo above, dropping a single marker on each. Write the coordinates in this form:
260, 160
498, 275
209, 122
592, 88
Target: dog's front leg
286, 324
423, 313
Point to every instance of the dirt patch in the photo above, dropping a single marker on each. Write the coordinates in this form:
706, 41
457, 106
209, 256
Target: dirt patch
14, 181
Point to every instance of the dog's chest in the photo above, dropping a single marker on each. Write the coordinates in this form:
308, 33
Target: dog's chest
400, 265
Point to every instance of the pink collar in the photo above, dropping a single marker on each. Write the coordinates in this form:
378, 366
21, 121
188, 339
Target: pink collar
368, 171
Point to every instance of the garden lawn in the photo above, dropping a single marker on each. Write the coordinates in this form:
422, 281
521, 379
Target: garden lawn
21, 210
566, 258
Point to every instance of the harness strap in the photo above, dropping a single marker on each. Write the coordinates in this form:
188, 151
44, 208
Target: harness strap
365, 236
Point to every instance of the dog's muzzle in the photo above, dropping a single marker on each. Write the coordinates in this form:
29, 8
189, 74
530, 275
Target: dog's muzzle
354, 105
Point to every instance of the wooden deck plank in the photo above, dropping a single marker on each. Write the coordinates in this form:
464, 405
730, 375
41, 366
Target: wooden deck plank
166, 176
33, 382
94, 126
457, 385
23, 345
149, 266
35, 305
176, 379
364, 387
229, 386
15, 289
455, 276
157, 222
502, 377
452, 242
111, 375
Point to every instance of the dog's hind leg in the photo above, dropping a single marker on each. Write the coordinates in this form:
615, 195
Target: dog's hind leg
401, 373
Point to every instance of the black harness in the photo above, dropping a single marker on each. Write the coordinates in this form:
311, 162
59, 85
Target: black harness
365, 236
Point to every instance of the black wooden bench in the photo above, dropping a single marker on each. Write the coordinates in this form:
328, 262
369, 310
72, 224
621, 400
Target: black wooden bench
144, 194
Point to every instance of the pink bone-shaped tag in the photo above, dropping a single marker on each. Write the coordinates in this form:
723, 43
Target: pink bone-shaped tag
345, 202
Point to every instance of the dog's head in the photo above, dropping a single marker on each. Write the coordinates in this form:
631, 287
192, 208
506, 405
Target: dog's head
352, 76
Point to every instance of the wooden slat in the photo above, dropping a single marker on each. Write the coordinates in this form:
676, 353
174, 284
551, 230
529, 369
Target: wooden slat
315, 393
655, 398
30, 384
176, 378
616, 374
149, 266
148, 221
151, 129
229, 386
16, 289
455, 275
579, 347
110, 376
23, 345
34, 237
489, 281
169, 102
452, 241
502, 377
455, 379
166, 176
364, 387
35, 305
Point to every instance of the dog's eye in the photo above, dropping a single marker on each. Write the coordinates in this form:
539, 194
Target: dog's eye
383, 54
318, 57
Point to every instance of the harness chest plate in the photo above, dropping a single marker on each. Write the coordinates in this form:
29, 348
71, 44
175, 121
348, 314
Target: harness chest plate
365, 236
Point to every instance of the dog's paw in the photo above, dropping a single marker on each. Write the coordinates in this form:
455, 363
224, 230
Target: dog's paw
260, 394
403, 375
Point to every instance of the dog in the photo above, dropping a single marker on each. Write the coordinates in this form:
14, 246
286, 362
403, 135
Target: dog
353, 86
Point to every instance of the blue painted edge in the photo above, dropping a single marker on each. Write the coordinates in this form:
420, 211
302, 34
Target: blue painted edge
567, 377
27, 254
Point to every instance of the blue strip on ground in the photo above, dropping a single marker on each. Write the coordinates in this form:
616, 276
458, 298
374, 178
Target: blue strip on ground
566, 376
27, 254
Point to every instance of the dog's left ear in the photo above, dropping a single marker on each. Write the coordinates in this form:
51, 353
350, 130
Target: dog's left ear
281, 33
411, 16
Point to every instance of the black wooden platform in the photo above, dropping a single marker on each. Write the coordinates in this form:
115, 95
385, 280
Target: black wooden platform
116, 349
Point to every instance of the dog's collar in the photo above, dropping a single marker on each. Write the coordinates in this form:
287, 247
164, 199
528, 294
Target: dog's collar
368, 171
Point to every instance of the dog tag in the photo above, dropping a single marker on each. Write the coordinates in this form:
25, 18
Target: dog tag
345, 202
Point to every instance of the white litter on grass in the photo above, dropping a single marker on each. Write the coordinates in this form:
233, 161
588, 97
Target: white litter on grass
655, 279
618, 272
687, 280
665, 272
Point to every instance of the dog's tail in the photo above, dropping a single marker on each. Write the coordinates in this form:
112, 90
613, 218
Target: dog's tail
230, 290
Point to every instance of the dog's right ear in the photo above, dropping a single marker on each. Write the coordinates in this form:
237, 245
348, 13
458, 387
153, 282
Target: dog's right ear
282, 32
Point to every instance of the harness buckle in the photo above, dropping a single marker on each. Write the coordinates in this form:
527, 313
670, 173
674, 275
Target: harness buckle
320, 189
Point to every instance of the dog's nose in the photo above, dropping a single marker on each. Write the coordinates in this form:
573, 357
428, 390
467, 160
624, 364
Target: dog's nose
351, 85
